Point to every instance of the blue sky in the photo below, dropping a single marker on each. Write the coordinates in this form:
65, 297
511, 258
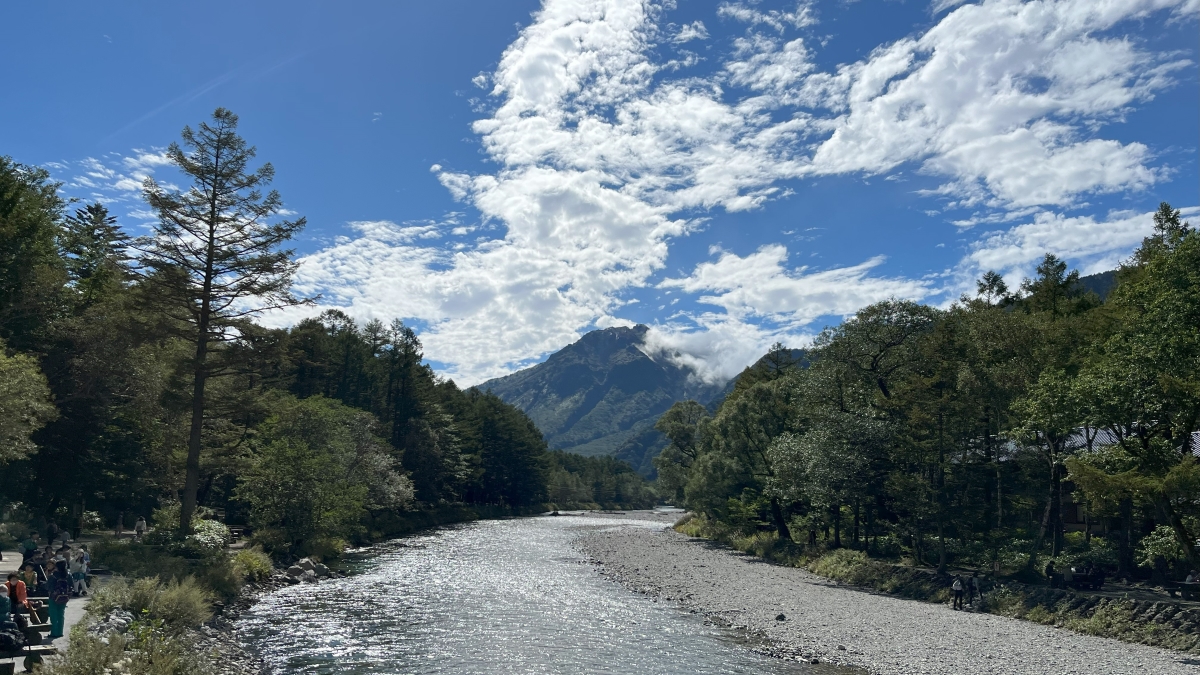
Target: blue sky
508, 175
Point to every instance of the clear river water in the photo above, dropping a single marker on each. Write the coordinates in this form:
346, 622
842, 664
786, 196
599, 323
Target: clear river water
500, 596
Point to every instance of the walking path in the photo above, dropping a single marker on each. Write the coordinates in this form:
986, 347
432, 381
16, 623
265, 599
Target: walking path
881, 634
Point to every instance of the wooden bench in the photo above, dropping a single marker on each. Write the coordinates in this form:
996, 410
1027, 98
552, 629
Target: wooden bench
33, 655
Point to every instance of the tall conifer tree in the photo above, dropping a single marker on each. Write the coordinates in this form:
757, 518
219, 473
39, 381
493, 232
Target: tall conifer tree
215, 257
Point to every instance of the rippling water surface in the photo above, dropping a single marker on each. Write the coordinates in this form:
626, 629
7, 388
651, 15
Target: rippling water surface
508, 596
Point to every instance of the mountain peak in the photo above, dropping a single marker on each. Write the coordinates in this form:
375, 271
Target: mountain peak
600, 391
602, 345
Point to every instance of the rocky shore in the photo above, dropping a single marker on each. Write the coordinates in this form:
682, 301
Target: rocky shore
218, 637
804, 617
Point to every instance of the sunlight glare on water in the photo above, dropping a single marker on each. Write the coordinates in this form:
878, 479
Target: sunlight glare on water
507, 596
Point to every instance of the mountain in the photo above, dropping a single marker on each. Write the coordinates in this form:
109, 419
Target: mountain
1101, 283
602, 394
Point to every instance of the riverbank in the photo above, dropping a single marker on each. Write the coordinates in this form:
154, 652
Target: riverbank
832, 623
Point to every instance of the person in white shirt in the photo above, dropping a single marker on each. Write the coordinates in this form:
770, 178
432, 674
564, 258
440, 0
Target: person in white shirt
78, 571
1193, 577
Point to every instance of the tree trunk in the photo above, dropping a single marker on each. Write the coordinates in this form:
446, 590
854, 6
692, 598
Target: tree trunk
191, 480
1125, 540
1185, 538
1057, 542
1050, 517
1087, 527
837, 526
856, 516
941, 546
780, 524
999, 495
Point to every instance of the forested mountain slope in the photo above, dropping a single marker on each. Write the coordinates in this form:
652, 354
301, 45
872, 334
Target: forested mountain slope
603, 394
594, 395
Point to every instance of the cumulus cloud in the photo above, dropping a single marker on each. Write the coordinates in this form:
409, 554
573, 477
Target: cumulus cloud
761, 284
1001, 98
1094, 245
939, 6
777, 19
691, 31
603, 158
716, 347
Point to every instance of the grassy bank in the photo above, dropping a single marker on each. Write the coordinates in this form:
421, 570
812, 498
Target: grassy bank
1161, 624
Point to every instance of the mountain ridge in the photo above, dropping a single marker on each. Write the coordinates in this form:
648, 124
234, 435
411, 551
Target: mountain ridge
600, 391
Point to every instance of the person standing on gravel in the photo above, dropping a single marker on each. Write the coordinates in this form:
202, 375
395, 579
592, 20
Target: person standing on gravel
976, 587
957, 587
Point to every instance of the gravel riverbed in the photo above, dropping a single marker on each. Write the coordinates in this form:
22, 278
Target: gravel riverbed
846, 626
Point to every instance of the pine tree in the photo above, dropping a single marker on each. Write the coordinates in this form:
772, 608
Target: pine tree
215, 257
94, 248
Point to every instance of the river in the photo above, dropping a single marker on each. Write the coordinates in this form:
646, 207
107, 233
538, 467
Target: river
500, 596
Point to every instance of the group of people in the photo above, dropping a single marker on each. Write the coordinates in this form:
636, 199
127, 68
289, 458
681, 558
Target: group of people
1083, 576
971, 587
54, 574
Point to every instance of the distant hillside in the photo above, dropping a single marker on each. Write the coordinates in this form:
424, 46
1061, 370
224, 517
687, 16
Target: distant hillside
1101, 284
597, 395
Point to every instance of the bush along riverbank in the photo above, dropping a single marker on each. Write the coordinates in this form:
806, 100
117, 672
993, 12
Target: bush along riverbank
1158, 623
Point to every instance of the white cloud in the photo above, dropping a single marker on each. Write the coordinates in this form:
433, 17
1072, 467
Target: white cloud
717, 347
113, 179
761, 284
1000, 97
939, 6
602, 158
145, 162
800, 17
764, 65
691, 31
1092, 245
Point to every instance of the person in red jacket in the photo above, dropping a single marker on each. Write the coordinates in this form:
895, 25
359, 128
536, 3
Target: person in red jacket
18, 596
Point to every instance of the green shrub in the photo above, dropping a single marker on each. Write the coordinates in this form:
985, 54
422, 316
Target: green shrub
1111, 620
208, 537
1160, 542
220, 576
252, 564
146, 651
166, 517
842, 564
182, 603
178, 604
323, 548
1039, 614
761, 544
1006, 602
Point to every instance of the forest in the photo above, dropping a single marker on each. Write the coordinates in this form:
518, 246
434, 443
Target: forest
135, 379
1012, 428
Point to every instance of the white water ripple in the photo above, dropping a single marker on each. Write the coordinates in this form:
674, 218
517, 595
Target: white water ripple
509, 596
